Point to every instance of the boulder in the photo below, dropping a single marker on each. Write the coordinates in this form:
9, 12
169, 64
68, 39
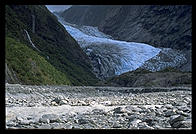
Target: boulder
175, 120
51, 117
170, 113
63, 102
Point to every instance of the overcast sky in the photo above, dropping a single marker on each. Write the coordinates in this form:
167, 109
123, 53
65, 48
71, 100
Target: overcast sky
57, 8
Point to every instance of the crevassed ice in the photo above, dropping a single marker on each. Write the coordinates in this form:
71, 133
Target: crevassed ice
123, 56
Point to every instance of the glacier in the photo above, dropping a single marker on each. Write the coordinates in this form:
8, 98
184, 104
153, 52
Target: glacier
109, 57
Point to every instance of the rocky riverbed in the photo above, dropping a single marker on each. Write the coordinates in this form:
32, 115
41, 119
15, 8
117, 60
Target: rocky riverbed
81, 107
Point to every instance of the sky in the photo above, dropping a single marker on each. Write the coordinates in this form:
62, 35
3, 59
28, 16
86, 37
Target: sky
57, 8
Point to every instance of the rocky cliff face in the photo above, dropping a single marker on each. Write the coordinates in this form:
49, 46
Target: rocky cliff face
85, 15
160, 26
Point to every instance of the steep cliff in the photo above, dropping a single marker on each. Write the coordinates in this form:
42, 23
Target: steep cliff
43, 35
160, 26
85, 14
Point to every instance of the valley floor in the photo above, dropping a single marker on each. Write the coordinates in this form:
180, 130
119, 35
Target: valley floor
86, 107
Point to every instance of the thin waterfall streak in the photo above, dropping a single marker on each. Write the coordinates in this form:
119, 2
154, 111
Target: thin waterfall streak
29, 38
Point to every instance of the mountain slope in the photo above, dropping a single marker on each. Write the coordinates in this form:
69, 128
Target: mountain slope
39, 29
160, 26
30, 67
144, 78
85, 14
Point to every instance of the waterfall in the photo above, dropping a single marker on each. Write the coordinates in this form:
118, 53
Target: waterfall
29, 38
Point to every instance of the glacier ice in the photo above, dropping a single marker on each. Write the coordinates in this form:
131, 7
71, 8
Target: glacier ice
166, 58
109, 57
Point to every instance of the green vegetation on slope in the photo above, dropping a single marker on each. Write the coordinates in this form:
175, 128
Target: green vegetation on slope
51, 39
30, 67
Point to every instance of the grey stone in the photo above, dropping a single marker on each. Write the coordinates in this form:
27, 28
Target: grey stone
118, 110
98, 111
183, 113
107, 103
136, 109
53, 103
170, 113
133, 109
82, 103
144, 125
164, 109
56, 125
174, 120
82, 121
159, 113
19, 118
151, 114
24, 122
149, 121
181, 104
10, 124
69, 127
186, 124
117, 125
44, 120
135, 122
168, 106
51, 117
63, 102
57, 100
156, 126
44, 126
76, 127
176, 124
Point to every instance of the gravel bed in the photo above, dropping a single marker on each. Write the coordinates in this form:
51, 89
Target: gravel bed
86, 107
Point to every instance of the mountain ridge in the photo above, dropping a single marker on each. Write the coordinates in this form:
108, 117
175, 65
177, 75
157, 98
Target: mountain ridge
160, 26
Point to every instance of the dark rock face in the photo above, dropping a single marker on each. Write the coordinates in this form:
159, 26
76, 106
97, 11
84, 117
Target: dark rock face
85, 15
145, 78
160, 26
